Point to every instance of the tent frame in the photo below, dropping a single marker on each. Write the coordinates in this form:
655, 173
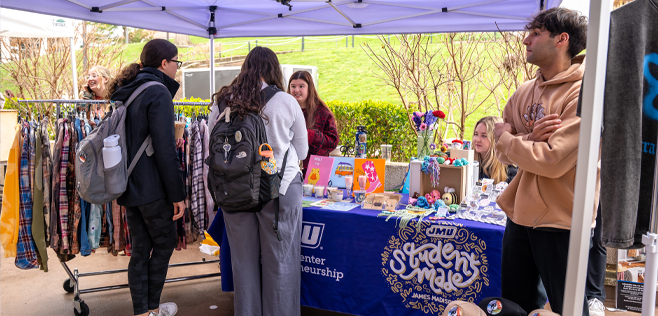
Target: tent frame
588, 149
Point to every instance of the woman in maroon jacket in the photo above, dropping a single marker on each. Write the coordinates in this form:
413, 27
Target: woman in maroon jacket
320, 122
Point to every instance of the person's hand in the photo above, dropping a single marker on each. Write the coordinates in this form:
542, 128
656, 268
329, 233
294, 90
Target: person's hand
544, 128
500, 128
180, 142
179, 210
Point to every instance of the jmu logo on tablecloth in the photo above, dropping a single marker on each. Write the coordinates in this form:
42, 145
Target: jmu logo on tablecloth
434, 265
311, 234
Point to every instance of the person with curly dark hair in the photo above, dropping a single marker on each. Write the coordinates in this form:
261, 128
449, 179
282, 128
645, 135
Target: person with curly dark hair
540, 136
266, 270
154, 197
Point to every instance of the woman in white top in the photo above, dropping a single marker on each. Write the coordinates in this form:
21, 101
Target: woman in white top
266, 271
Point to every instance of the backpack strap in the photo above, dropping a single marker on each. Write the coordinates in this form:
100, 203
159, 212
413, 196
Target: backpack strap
147, 141
275, 226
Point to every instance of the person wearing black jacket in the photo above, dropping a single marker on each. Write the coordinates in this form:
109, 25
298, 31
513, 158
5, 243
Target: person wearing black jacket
154, 197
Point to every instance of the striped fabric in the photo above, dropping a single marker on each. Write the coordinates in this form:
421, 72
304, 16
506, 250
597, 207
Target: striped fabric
63, 196
198, 196
74, 198
26, 251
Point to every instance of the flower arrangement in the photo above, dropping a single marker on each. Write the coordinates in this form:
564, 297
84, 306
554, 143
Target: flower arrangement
426, 123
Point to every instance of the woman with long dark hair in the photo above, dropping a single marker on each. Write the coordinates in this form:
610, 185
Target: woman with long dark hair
266, 270
154, 195
320, 122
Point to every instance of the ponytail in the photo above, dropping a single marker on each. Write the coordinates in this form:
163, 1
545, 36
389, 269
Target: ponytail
126, 76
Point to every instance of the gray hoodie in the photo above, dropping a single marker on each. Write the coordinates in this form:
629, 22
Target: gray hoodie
630, 116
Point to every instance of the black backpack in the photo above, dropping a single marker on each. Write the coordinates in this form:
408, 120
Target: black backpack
236, 180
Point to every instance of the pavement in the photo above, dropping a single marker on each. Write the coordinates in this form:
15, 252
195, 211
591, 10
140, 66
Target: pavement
34, 292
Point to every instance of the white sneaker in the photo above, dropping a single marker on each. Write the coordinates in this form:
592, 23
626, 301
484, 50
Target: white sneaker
596, 307
168, 309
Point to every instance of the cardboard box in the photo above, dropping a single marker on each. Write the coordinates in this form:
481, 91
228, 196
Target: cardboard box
461, 153
451, 176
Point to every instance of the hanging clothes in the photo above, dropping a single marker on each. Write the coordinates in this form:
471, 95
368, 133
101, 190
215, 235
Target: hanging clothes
630, 124
198, 198
11, 197
38, 219
94, 229
210, 205
74, 200
63, 194
47, 171
26, 252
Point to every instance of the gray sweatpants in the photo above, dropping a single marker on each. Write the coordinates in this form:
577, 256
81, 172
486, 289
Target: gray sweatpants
266, 271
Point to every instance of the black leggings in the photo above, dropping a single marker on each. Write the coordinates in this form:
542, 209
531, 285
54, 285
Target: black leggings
153, 235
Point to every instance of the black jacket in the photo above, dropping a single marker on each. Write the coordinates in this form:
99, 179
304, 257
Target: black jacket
152, 112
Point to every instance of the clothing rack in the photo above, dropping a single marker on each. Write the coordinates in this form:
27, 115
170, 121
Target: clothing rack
72, 284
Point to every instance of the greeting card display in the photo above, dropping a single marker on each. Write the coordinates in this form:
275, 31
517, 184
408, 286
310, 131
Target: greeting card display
373, 172
319, 170
343, 166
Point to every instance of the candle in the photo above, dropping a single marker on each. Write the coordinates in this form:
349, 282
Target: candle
362, 182
348, 182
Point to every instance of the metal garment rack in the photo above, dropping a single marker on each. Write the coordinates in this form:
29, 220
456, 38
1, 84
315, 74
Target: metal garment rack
72, 284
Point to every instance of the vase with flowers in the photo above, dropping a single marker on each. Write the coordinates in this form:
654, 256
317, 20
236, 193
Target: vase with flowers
426, 124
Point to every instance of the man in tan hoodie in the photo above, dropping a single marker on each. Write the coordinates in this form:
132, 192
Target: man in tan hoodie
540, 135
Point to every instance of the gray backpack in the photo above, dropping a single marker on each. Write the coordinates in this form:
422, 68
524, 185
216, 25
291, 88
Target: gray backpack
94, 183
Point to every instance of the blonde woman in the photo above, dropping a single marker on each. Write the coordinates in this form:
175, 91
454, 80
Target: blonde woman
96, 89
485, 152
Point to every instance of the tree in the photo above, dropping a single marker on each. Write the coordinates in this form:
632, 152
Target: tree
41, 69
509, 60
445, 76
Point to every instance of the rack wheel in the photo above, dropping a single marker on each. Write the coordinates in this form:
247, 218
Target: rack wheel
67, 286
84, 310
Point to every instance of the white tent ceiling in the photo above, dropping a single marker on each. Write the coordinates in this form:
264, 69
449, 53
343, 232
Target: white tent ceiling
14, 23
241, 18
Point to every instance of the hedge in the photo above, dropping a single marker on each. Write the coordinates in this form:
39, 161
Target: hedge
385, 122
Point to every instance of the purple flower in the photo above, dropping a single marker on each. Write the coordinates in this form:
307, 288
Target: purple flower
430, 119
432, 146
417, 121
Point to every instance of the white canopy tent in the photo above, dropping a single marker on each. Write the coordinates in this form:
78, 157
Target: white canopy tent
253, 18
15, 23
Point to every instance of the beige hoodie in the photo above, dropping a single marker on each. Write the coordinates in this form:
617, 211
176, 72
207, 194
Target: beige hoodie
541, 194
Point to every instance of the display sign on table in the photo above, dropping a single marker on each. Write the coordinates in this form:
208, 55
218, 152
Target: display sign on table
630, 279
375, 172
319, 170
343, 166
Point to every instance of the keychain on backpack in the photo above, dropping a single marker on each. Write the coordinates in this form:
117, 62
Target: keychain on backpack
227, 148
268, 164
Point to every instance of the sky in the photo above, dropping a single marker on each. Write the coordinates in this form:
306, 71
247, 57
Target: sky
579, 5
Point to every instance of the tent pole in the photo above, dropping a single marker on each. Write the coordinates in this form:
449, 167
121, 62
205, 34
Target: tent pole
74, 70
212, 30
588, 153
212, 64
